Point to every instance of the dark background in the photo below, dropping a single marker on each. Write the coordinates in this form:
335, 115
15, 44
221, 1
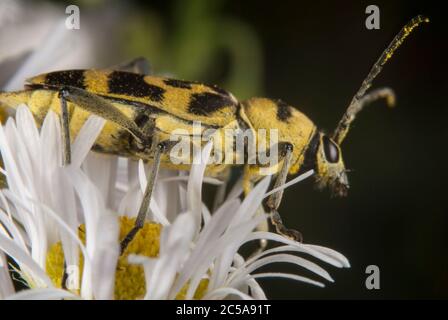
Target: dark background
314, 55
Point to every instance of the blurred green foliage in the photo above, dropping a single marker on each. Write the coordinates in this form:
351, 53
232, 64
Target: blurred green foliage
190, 39
190, 47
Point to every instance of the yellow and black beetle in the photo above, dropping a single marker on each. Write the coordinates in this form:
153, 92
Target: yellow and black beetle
141, 110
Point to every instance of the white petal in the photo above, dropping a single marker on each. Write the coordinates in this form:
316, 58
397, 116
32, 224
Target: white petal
43, 294
288, 276
6, 286
194, 189
105, 258
235, 236
14, 178
209, 180
27, 130
244, 213
252, 202
47, 211
85, 139
175, 243
102, 171
7, 222
331, 253
167, 194
306, 249
130, 203
288, 258
50, 142
229, 243
33, 224
222, 293
255, 289
291, 182
93, 206
207, 238
63, 226
25, 261
280, 249
58, 44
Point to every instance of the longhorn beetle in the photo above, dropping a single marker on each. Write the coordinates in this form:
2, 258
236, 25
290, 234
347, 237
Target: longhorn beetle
141, 110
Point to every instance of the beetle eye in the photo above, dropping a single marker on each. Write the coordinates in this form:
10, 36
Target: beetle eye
331, 150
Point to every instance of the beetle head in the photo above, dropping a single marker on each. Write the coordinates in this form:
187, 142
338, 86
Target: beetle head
330, 167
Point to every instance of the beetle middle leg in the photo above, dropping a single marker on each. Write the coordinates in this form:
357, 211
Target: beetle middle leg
157, 150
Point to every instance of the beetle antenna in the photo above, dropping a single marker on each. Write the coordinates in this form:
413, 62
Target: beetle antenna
361, 99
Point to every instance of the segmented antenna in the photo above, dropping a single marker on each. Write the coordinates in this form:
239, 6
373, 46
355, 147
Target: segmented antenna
355, 106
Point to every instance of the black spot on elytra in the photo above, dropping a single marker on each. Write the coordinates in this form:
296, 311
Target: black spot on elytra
178, 83
283, 111
72, 78
134, 85
206, 103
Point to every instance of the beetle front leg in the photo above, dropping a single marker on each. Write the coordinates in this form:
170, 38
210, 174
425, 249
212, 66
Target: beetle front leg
275, 199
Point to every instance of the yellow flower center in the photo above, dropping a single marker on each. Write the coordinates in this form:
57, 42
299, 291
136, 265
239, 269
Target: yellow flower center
129, 278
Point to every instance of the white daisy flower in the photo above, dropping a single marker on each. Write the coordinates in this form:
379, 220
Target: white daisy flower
50, 214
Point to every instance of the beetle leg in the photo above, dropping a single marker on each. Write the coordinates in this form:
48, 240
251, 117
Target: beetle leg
65, 124
158, 150
139, 65
102, 108
274, 200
